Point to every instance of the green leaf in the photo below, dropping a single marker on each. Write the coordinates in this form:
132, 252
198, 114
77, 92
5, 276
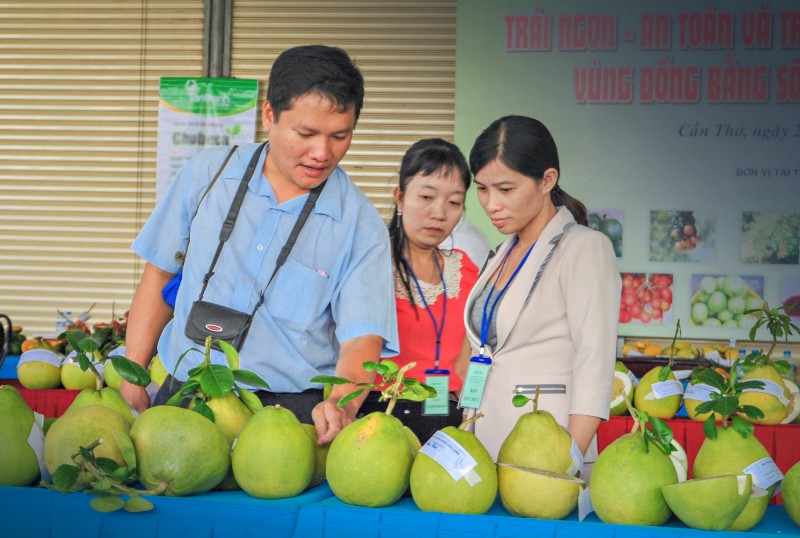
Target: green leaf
727, 405
130, 371
782, 366
710, 428
83, 361
196, 371
138, 504
752, 412
123, 475
329, 380
663, 374
126, 448
250, 378
662, 430
64, 477
88, 345
705, 407
230, 353
216, 380
107, 503
741, 386
73, 337
199, 405
415, 391
101, 485
520, 400
250, 400
370, 366
175, 399
107, 465
742, 426
85, 453
710, 378
390, 366
350, 397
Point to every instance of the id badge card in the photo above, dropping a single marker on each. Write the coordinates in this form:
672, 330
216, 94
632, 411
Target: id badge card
475, 382
440, 381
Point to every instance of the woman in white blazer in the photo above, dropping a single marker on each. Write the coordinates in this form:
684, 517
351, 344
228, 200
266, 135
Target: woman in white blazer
547, 300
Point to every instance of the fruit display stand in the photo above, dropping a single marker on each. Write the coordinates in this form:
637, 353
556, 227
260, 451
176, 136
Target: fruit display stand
28, 512
781, 441
48, 402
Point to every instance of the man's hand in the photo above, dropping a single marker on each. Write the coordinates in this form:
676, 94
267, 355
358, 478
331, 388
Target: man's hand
329, 419
135, 395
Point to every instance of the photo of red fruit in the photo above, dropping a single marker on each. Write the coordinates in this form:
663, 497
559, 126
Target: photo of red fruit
646, 298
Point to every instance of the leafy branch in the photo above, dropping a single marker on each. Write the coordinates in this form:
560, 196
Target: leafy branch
87, 354
209, 380
109, 479
658, 434
779, 325
724, 400
392, 382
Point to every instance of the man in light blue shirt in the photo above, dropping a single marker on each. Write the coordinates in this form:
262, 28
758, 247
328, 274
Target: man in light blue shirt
330, 307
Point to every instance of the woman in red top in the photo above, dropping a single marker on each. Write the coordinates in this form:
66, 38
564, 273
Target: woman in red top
431, 285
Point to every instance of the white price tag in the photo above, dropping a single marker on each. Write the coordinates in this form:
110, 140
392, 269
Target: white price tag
700, 392
665, 389
772, 388
448, 453
36, 442
764, 472
584, 504
634, 379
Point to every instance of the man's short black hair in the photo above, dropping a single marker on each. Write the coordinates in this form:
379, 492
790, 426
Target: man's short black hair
327, 71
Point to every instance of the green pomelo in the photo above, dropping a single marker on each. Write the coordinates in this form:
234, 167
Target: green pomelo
527, 492
774, 410
619, 366
73, 378
157, 371
790, 492
729, 454
539, 442
107, 396
435, 490
19, 465
644, 398
80, 428
179, 452
369, 462
621, 391
230, 416
320, 457
413, 440
110, 375
794, 406
14, 406
39, 375
273, 457
710, 504
627, 481
753, 511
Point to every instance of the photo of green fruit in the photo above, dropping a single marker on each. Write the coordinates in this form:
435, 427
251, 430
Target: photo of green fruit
770, 237
682, 236
722, 300
609, 222
790, 297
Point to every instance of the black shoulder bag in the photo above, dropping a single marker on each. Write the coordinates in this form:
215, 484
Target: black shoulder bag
221, 322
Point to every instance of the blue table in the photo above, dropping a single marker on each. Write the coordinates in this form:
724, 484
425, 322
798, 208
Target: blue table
331, 518
8, 370
42, 513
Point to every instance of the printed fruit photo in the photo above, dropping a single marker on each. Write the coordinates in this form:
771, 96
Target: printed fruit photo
682, 236
722, 300
646, 298
609, 223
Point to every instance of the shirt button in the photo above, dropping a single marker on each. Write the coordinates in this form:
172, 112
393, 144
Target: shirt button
260, 248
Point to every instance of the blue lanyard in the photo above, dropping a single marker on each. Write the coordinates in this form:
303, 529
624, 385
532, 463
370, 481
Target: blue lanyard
437, 327
487, 320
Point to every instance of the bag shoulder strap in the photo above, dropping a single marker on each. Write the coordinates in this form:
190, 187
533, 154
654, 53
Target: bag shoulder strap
211, 184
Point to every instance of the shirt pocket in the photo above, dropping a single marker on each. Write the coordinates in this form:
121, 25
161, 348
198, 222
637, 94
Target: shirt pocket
298, 294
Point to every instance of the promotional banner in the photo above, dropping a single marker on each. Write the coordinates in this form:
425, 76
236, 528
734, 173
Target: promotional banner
678, 126
195, 113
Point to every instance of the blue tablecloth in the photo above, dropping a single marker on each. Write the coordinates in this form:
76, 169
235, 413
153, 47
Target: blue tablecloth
42, 513
8, 370
331, 518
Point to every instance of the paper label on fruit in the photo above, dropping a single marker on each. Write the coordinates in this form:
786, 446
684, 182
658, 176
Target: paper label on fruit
584, 504
36, 442
448, 453
634, 379
577, 459
665, 389
771, 388
700, 392
117, 352
40, 355
764, 472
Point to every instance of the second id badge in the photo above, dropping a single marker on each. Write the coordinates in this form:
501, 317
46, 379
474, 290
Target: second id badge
475, 382
440, 381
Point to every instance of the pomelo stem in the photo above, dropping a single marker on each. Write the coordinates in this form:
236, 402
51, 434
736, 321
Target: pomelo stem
393, 390
463, 425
